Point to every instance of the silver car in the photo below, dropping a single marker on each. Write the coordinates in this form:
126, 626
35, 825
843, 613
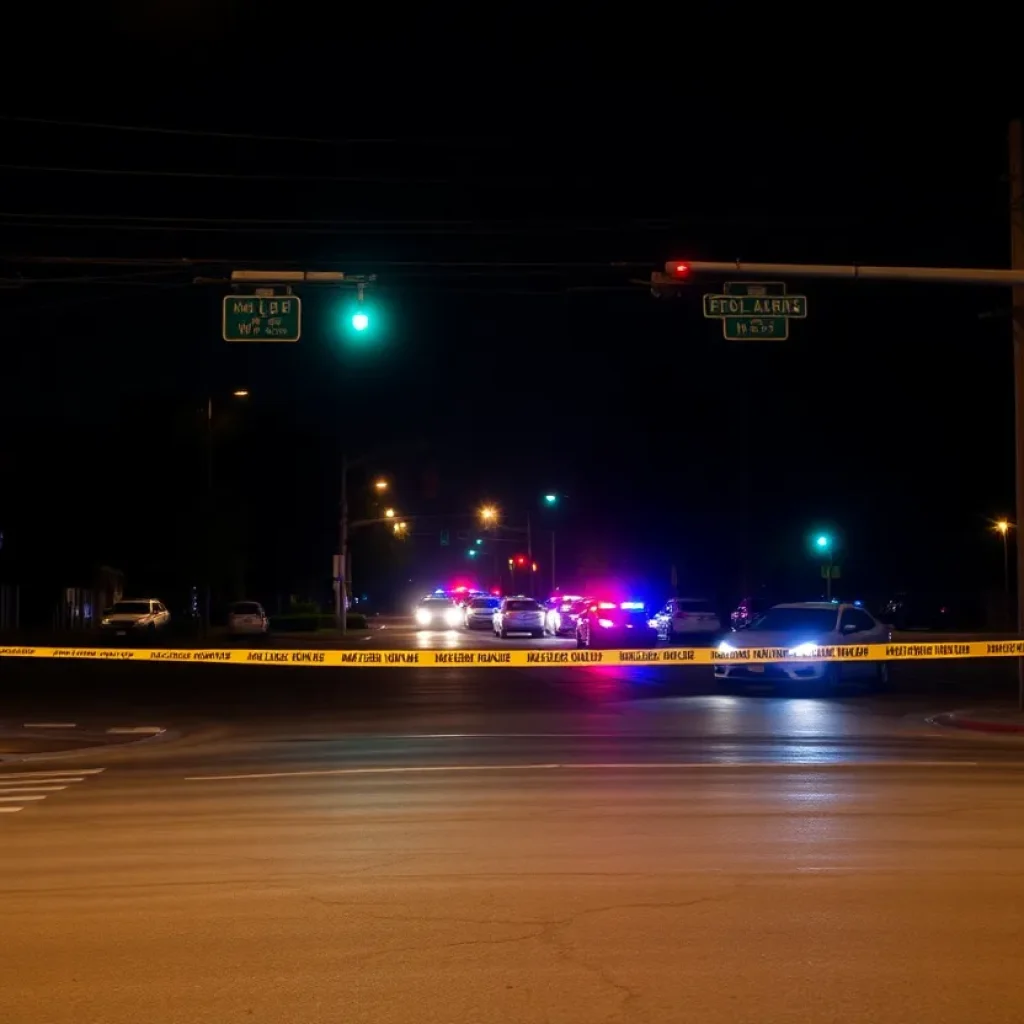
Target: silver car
519, 615
800, 630
479, 612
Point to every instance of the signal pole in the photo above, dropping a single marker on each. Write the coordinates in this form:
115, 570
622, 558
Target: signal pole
1017, 315
340, 605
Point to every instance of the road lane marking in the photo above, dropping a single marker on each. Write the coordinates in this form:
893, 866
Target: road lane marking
8, 783
136, 730
601, 766
21, 788
31, 789
50, 725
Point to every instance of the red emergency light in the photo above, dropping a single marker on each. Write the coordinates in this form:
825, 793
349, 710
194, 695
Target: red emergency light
678, 269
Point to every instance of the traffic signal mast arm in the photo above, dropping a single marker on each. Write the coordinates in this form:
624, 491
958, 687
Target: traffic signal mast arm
680, 272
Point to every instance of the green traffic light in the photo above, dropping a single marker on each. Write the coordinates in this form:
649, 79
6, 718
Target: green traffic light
360, 321
478, 541
551, 499
471, 552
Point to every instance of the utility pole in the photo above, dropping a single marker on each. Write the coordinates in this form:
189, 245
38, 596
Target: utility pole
1017, 315
529, 552
208, 560
340, 600
553, 588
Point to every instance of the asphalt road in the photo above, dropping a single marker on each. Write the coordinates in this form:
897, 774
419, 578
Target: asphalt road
466, 846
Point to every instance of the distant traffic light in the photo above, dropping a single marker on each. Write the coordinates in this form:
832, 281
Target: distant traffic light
471, 552
520, 560
678, 269
360, 321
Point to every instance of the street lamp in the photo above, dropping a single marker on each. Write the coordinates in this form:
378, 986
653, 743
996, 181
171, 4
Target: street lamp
236, 393
1003, 527
389, 513
550, 499
489, 514
380, 485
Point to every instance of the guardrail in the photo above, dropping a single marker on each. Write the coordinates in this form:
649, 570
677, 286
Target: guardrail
531, 658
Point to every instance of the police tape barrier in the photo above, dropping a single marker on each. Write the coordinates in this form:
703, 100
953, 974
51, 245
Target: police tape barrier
532, 657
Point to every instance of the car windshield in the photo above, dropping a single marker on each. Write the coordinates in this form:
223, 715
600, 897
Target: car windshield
793, 620
245, 608
130, 608
484, 602
522, 606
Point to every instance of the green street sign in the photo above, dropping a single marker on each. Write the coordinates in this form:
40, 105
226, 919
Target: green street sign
262, 318
755, 310
738, 328
786, 306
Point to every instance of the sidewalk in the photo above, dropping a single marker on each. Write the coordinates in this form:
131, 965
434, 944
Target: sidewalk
1005, 719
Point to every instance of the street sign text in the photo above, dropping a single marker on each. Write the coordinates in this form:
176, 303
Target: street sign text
755, 310
262, 318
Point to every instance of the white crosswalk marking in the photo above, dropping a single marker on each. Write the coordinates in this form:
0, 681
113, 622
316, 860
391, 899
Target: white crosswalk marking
18, 789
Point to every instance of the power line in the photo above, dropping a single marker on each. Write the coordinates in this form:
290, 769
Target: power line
363, 229
566, 225
198, 263
251, 136
114, 172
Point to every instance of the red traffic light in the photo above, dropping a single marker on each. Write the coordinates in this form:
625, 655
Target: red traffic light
678, 269
520, 559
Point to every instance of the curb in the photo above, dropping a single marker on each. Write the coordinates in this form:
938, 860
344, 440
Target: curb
66, 755
951, 720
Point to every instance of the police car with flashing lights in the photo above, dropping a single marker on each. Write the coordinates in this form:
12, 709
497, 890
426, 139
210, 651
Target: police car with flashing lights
615, 624
801, 629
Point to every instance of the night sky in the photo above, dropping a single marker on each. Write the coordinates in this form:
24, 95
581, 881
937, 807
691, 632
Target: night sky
510, 354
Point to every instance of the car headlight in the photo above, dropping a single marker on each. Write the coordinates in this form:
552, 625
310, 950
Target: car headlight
725, 647
806, 650
423, 616
105, 622
452, 617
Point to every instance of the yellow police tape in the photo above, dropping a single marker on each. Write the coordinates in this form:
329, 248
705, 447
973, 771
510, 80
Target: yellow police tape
530, 658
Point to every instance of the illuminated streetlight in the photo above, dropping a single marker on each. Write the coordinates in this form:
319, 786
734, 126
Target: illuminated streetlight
241, 393
550, 499
389, 513
823, 542
489, 514
380, 485
1003, 527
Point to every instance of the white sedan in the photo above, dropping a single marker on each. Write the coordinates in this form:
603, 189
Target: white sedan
800, 629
